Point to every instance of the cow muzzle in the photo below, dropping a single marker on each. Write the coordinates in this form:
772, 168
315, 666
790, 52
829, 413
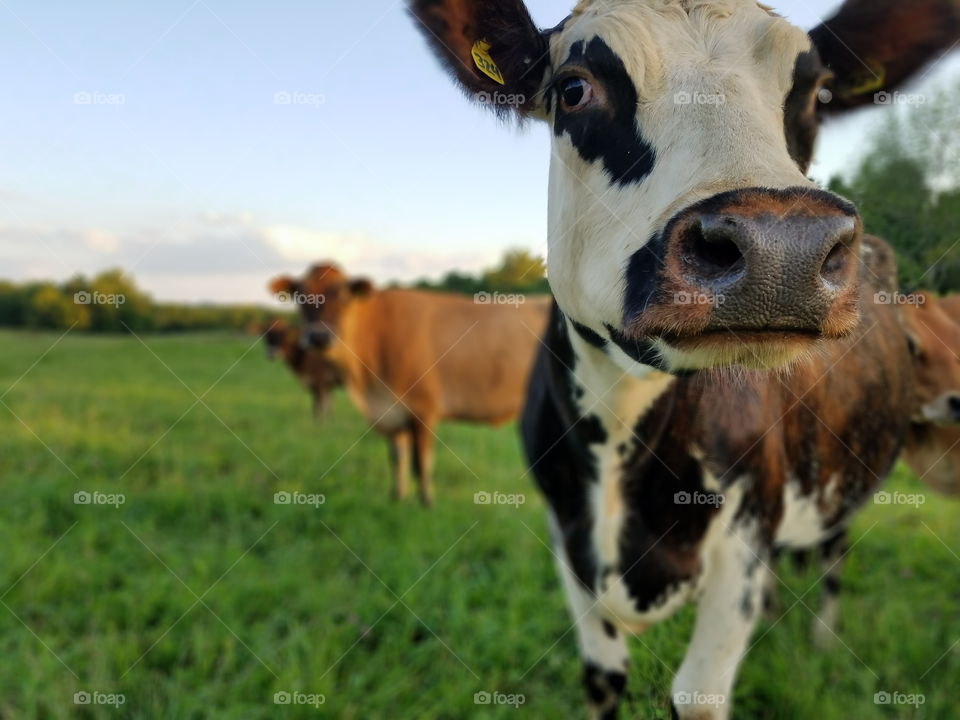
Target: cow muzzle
749, 277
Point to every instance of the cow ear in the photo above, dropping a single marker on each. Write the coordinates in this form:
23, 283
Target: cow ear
491, 47
282, 284
360, 287
874, 46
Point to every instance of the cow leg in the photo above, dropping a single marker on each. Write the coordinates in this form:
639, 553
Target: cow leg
603, 649
832, 553
399, 445
423, 460
730, 602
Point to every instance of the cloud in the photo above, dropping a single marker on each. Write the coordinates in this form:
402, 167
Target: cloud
218, 258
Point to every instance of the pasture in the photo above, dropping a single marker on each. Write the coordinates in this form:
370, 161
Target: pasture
201, 597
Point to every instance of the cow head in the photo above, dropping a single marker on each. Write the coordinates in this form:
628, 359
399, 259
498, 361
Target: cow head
934, 339
323, 297
279, 338
682, 228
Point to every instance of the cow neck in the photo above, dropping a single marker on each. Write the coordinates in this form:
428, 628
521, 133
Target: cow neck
619, 400
355, 355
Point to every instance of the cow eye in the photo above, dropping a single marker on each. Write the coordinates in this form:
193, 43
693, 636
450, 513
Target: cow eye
575, 94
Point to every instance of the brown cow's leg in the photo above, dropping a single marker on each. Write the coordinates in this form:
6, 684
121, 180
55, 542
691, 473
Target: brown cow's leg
399, 444
832, 554
423, 460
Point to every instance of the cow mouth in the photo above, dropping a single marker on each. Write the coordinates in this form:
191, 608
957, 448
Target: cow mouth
752, 349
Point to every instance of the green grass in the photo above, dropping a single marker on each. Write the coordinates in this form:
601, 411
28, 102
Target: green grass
201, 598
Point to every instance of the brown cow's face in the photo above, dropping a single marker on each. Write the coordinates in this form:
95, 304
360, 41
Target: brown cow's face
279, 339
322, 297
935, 343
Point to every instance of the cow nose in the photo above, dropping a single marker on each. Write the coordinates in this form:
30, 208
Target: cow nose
772, 260
954, 403
722, 244
319, 339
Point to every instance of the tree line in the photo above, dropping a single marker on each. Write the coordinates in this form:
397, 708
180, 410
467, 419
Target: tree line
111, 301
907, 187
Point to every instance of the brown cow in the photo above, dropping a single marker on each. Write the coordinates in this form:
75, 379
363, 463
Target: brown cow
933, 447
310, 368
410, 359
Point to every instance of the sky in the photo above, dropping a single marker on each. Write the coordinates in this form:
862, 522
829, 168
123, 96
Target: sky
208, 145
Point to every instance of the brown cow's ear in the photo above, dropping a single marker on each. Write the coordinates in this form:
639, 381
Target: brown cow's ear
874, 46
282, 284
361, 287
492, 47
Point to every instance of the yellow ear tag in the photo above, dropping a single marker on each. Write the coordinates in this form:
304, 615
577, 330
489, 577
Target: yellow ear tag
872, 84
484, 62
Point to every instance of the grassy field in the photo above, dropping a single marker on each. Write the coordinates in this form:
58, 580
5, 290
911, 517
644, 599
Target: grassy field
200, 597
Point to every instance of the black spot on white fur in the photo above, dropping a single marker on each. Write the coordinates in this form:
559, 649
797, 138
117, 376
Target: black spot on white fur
608, 134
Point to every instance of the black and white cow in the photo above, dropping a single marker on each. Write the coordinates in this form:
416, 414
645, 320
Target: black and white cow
685, 237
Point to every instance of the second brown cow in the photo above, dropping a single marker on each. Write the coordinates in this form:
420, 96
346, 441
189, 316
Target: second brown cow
410, 359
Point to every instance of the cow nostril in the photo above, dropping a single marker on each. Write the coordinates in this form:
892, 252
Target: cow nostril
713, 249
955, 405
835, 262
